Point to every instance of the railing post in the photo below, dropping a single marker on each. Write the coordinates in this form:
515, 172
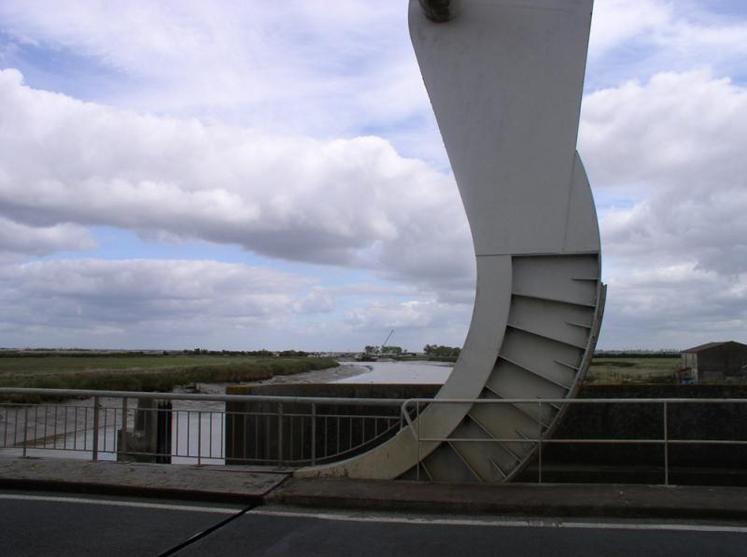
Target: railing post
539, 440
123, 444
313, 433
95, 452
280, 433
199, 438
417, 438
666, 444
25, 429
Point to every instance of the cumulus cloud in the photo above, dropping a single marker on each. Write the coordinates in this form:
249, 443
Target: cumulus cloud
675, 144
17, 238
673, 306
642, 37
618, 21
413, 320
269, 64
349, 202
677, 250
149, 300
181, 304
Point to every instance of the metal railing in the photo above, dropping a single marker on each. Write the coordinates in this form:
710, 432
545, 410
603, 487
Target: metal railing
291, 431
192, 428
542, 435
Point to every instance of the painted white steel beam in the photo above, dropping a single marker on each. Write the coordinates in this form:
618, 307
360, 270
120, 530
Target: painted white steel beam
505, 79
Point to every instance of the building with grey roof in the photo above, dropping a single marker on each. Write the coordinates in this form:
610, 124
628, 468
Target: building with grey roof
714, 361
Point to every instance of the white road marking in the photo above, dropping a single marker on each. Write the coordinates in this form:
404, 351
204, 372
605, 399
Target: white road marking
531, 523
110, 503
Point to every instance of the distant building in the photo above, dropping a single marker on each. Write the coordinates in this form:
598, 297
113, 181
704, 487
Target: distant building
713, 361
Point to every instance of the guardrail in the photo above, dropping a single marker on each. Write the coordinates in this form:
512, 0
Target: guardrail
287, 431
192, 428
541, 437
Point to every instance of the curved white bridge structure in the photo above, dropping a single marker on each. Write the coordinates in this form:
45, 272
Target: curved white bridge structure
505, 79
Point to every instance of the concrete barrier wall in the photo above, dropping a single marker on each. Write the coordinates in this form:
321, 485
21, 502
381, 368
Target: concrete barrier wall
635, 462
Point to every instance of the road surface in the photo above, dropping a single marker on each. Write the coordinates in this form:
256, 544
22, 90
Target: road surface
41, 524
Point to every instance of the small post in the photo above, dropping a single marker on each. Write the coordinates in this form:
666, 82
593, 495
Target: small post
280, 433
25, 429
199, 438
666, 445
95, 455
313, 433
539, 441
123, 448
417, 437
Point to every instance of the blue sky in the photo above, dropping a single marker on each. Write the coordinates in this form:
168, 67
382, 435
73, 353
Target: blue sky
180, 174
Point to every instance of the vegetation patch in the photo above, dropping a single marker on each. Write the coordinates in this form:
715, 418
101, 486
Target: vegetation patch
639, 370
151, 372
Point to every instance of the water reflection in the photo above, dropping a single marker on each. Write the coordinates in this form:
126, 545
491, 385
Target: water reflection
416, 372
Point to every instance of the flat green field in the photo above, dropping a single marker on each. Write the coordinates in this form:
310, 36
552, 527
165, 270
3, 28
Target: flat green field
616, 371
40, 365
145, 372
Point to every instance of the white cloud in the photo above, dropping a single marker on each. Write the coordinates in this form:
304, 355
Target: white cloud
678, 252
127, 301
181, 304
268, 65
32, 240
618, 21
413, 321
643, 37
676, 128
673, 306
350, 202
676, 144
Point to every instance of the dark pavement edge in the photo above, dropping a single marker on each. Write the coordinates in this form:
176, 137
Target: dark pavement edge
184, 482
255, 487
91, 488
525, 500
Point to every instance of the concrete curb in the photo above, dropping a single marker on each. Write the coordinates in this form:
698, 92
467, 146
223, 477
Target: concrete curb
140, 491
197, 483
526, 500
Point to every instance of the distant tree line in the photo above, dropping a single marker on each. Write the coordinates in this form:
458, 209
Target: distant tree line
263, 353
443, 353
389, 350
85, 353
72, 353
636, 354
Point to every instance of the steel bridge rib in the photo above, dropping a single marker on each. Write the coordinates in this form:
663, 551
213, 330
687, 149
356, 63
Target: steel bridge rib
505, 79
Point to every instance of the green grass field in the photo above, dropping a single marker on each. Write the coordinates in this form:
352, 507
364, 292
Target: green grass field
616, 371
145, 372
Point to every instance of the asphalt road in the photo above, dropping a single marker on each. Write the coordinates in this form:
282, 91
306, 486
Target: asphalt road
51, 524
357, 535
36, 524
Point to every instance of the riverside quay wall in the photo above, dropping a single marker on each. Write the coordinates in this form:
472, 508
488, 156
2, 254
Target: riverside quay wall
297, 434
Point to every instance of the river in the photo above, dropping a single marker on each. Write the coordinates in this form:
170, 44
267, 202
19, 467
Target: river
398, 372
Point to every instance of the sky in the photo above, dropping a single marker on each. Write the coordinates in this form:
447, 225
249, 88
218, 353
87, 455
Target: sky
244, 175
